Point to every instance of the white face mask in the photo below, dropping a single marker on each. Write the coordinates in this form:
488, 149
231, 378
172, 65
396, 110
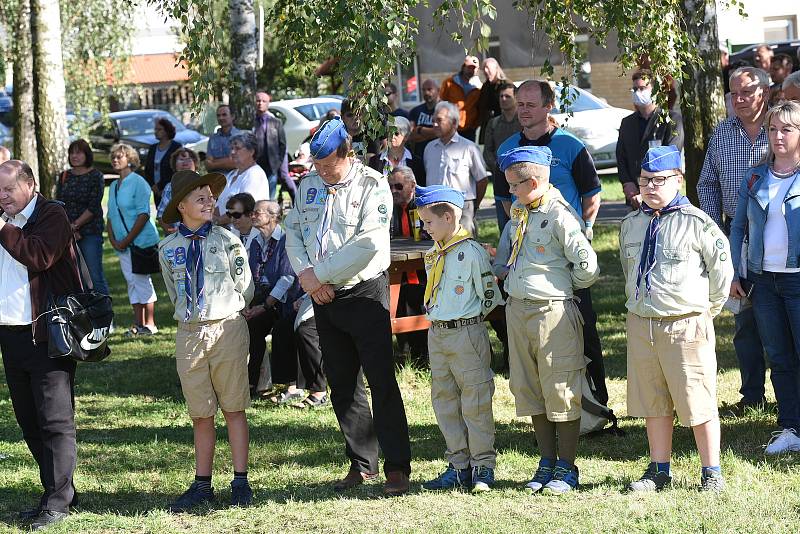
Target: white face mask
643, 98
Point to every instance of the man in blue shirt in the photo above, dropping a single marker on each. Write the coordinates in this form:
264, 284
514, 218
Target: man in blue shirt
218, 155
574, 175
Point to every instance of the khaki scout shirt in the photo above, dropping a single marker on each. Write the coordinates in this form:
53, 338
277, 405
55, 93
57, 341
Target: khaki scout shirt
693, 269
555, 257
226, 274
467, 288
358, 246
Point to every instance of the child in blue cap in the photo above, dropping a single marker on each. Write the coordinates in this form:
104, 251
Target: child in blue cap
461, 290
678, 271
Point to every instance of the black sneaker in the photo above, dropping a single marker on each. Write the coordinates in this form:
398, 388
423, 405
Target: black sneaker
652, 480
712, 481
241, 493
194, 496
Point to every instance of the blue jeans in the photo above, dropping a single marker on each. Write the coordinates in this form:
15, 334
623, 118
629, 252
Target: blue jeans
776, 302
92, 249
502, 218
273, 186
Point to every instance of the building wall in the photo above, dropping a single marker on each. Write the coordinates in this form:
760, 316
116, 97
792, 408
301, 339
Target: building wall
750, 30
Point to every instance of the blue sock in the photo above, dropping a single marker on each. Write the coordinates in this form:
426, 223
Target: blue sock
663, 466
715, 468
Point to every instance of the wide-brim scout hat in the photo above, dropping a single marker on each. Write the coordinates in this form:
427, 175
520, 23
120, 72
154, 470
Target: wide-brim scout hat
183, 183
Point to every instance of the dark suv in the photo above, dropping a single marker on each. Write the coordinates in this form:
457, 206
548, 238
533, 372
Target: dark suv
745, 55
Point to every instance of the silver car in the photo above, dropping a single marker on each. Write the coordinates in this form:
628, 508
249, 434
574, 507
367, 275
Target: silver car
300, 115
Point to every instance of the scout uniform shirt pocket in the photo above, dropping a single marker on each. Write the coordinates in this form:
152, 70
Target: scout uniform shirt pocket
309, 220
674, 264
632, 252
218, 278
457, 285
348, 225
540, 247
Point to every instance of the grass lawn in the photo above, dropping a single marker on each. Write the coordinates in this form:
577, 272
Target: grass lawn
135, 455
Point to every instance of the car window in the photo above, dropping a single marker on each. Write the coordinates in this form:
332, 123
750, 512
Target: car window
579, 101
144, 124
317, 110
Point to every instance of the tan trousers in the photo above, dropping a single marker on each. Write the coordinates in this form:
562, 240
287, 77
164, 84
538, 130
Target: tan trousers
462, 385
545, 342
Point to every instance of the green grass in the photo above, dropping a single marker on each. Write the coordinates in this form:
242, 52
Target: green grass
135, 455
612, 189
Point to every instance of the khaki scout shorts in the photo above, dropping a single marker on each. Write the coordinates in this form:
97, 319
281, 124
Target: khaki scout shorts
546, 358
462, 385
672, 365
211, 359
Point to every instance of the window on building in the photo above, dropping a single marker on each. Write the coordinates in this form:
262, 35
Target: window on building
780, 28
407, 81
583, 77
493, 50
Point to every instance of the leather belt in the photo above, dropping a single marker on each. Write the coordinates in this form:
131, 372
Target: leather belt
457, 323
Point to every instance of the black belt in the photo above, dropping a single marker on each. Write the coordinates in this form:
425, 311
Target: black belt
15, 327
456, 323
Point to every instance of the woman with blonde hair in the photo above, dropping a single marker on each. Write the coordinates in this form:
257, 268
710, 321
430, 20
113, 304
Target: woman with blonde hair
766, 227
489, 100
129, 225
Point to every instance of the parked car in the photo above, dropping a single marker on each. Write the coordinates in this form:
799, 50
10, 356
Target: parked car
135, 128
593, 121
300, 115
7, 137
6, 102
745, 55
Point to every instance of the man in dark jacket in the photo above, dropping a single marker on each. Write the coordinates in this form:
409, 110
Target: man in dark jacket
271, 142
36, 259
640, 131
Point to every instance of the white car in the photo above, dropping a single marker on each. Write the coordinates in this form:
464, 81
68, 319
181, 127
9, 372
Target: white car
300, 115
592, 121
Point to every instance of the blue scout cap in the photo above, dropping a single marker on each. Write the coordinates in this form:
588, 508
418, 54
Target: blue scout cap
662, 158
539, 155
328, 138
438, 193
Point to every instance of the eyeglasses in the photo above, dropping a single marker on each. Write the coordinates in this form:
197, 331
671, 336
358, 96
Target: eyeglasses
657, 181
514, 185
396, 187
234, 214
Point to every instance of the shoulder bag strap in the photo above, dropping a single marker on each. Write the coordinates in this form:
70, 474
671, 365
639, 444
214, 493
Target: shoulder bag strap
116, 202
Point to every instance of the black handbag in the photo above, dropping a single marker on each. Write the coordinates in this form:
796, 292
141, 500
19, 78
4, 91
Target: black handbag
79, 324
143, 260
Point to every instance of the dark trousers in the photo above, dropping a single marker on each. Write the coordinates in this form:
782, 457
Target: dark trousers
309, 358
409, 304
283, 358
42, 394
591, 345
355, 334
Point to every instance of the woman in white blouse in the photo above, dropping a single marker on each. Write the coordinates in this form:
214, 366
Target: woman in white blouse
248, 177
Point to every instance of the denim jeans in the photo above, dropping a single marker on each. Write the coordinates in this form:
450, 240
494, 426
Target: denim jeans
92, 249
502, 218
776, 302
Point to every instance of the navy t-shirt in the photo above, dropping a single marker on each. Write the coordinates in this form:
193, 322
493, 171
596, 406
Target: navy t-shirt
421, 116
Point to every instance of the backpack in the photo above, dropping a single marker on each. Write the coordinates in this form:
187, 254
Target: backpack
594, 414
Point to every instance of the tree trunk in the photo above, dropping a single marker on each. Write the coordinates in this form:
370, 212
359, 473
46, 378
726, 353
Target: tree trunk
244, 55
702, 98
25, 147
50, 93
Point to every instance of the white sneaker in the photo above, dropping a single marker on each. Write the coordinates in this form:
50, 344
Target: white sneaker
783, 441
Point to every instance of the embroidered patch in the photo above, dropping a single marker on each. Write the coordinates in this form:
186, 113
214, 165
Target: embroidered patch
719, 243
180, 256
540, 249
489, 293
489, 284
460, 256
383, 220
459, 290
213, 250
723, 256
382, 209
584, 265
487, 304
573, 233
707, 226
321, 197
239, 271
583, 254
239, 261
169, 253
430, 257
310, 195
544, 223
355, 203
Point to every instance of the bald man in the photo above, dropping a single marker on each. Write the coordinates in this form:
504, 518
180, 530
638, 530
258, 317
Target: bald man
5, 154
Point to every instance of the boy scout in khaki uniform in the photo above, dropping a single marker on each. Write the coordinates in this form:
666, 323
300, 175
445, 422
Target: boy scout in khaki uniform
209, 283
677, 274
550, 258
337, 240
460, 291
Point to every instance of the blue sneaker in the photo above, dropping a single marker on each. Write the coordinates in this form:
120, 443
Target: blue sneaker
565, 479
452, 478
543, 475
482, 478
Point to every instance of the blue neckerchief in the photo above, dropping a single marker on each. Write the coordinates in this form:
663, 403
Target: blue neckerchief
194, 263
647, 261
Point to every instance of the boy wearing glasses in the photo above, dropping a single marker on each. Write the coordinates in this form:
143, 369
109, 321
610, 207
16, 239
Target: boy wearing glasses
549, 259
208, 281
678, 271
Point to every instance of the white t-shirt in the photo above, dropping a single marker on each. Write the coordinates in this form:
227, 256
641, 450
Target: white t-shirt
252, 180
776, 235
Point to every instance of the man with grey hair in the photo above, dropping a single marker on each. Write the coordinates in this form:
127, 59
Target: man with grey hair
738, 143
456, 162
791, 86
5, 154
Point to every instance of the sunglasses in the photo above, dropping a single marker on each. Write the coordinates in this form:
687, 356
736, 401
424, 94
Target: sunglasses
234, 214
396, 187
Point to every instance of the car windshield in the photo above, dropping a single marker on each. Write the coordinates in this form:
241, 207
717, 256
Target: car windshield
579, 101
143, 124
317, 110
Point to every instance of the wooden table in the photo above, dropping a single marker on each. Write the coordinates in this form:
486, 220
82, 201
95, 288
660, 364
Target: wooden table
408, 256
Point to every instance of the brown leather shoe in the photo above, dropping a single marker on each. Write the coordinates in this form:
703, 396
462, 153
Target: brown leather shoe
354, 478
397, 483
